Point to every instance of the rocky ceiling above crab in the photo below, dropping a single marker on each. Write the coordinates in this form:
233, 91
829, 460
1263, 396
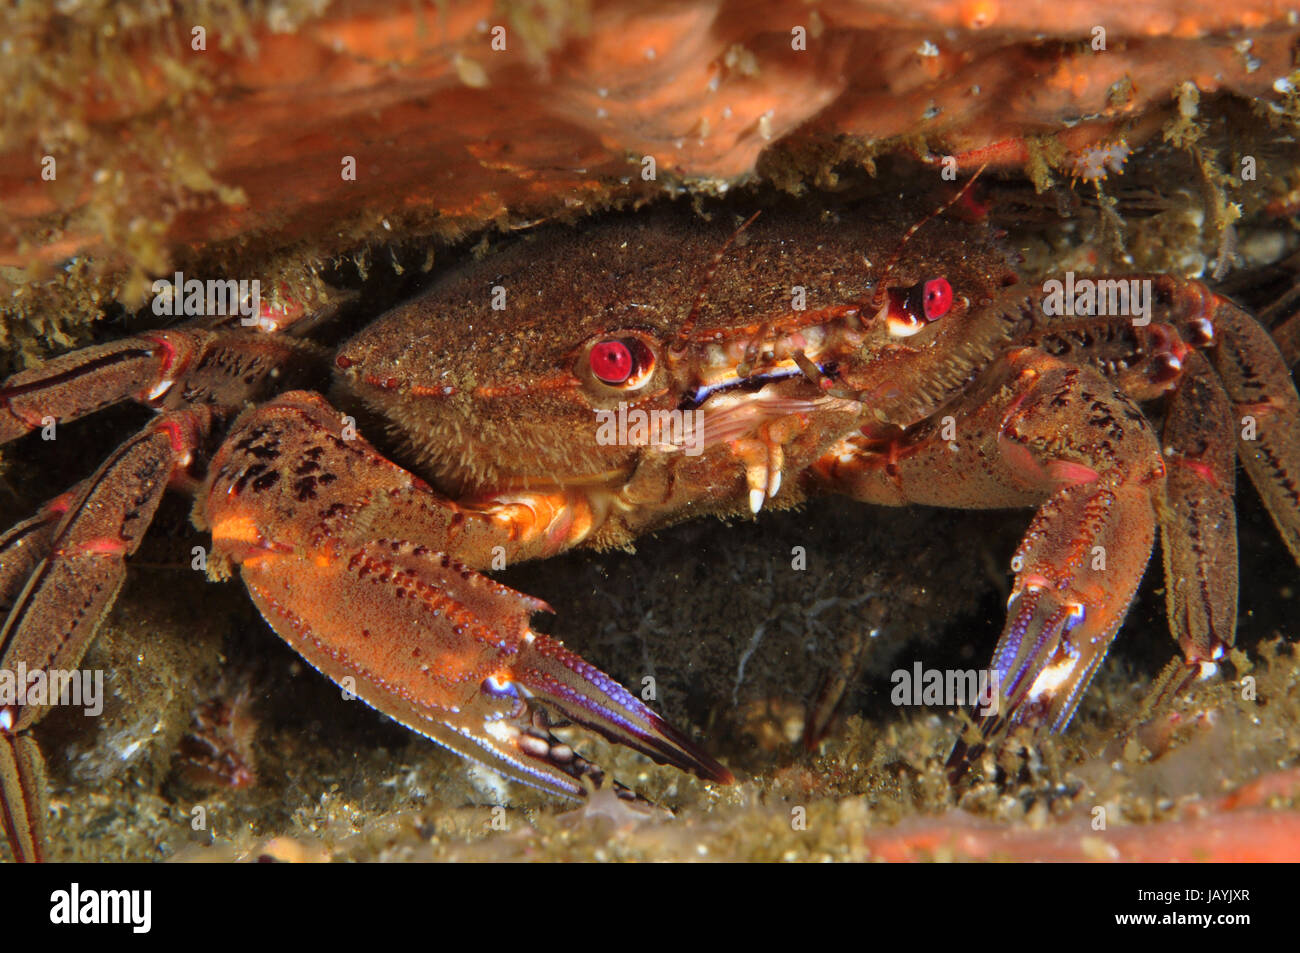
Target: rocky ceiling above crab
161, 150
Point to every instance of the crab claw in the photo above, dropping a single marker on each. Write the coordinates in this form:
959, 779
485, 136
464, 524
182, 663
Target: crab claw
1071, 593
509, 728
1079, 564
311, 516
1046, 656
551, 675
448, 653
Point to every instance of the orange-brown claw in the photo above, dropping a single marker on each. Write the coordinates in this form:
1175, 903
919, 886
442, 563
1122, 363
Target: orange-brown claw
561, 680
1036, 429
1076, 573
403, 624
1084, 554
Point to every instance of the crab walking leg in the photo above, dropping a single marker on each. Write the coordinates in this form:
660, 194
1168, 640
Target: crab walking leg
1286, 335
219, 368
1198, 524
25, 544
1038, 432
22, 769
1194, 329
80, 382
22, 817
349, 558
23, 801
1259, 384
60, 573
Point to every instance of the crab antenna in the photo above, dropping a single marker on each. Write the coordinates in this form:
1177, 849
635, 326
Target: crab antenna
689, 325
877, 299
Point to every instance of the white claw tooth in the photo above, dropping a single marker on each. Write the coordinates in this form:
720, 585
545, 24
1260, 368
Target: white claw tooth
774, 485
756, 497
159, 389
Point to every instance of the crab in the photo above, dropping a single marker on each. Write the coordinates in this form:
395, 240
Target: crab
586, 386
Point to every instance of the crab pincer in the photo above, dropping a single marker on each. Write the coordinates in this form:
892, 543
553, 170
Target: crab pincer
347, 556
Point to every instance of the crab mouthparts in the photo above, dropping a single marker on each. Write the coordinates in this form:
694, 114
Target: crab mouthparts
695, 398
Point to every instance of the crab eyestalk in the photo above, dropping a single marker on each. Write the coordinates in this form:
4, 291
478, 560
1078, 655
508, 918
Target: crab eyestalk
908, 310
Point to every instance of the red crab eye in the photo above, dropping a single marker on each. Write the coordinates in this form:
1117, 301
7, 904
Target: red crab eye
911, 309
936, 298
625, 362
611, 361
